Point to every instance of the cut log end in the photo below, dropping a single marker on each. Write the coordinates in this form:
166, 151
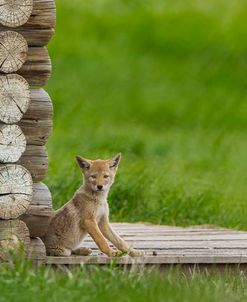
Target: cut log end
15, 191
14, 235
12, 143
39, 28
15, 13
13, 51
14, 98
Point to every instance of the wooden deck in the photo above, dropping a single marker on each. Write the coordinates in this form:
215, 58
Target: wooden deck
170, 245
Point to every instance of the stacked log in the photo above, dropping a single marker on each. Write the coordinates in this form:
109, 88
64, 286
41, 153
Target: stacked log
26, 26
38, 215
14, 237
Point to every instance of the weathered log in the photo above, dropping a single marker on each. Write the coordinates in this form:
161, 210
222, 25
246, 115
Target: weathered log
13, 51
15, 191
39, 28
43, 15
40, 106
12, 143
14, 98
33, 36
37, 251
41, 197
14, 235
35, 160
15, 13
39, 212
37, 121
37, 67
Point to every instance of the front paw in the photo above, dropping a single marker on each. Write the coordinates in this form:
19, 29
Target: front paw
136, 253
113, 253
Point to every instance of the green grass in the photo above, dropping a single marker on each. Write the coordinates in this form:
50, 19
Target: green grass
164, 82
23, 283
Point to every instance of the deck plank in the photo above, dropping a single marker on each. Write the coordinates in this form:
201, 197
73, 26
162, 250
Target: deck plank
170, 245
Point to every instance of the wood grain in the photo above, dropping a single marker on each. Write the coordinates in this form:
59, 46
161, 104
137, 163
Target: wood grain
15, 13
12, 143
39, 212
36, 123
170, 245
15, 191
41, 196
35, 160
39, 28
37, 67
14, 98
13, 51
37, 251
171, 259
14, 234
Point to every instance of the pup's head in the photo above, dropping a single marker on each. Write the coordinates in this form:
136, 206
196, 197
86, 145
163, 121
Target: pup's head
99, 174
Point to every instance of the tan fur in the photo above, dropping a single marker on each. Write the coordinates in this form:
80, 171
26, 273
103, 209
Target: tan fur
87, 213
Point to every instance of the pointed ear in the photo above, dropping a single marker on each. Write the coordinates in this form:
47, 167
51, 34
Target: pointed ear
113, 163
83, 163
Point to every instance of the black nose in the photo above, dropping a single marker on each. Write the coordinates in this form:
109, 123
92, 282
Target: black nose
100, 187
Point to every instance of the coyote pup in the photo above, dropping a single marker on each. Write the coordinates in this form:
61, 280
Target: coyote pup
87, 213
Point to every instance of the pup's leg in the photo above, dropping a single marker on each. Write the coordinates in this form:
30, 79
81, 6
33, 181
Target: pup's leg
58, 251
122, 245
92, 228
84, 251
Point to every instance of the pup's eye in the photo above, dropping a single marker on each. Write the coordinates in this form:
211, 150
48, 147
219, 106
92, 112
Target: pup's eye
106, 176
93, 176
